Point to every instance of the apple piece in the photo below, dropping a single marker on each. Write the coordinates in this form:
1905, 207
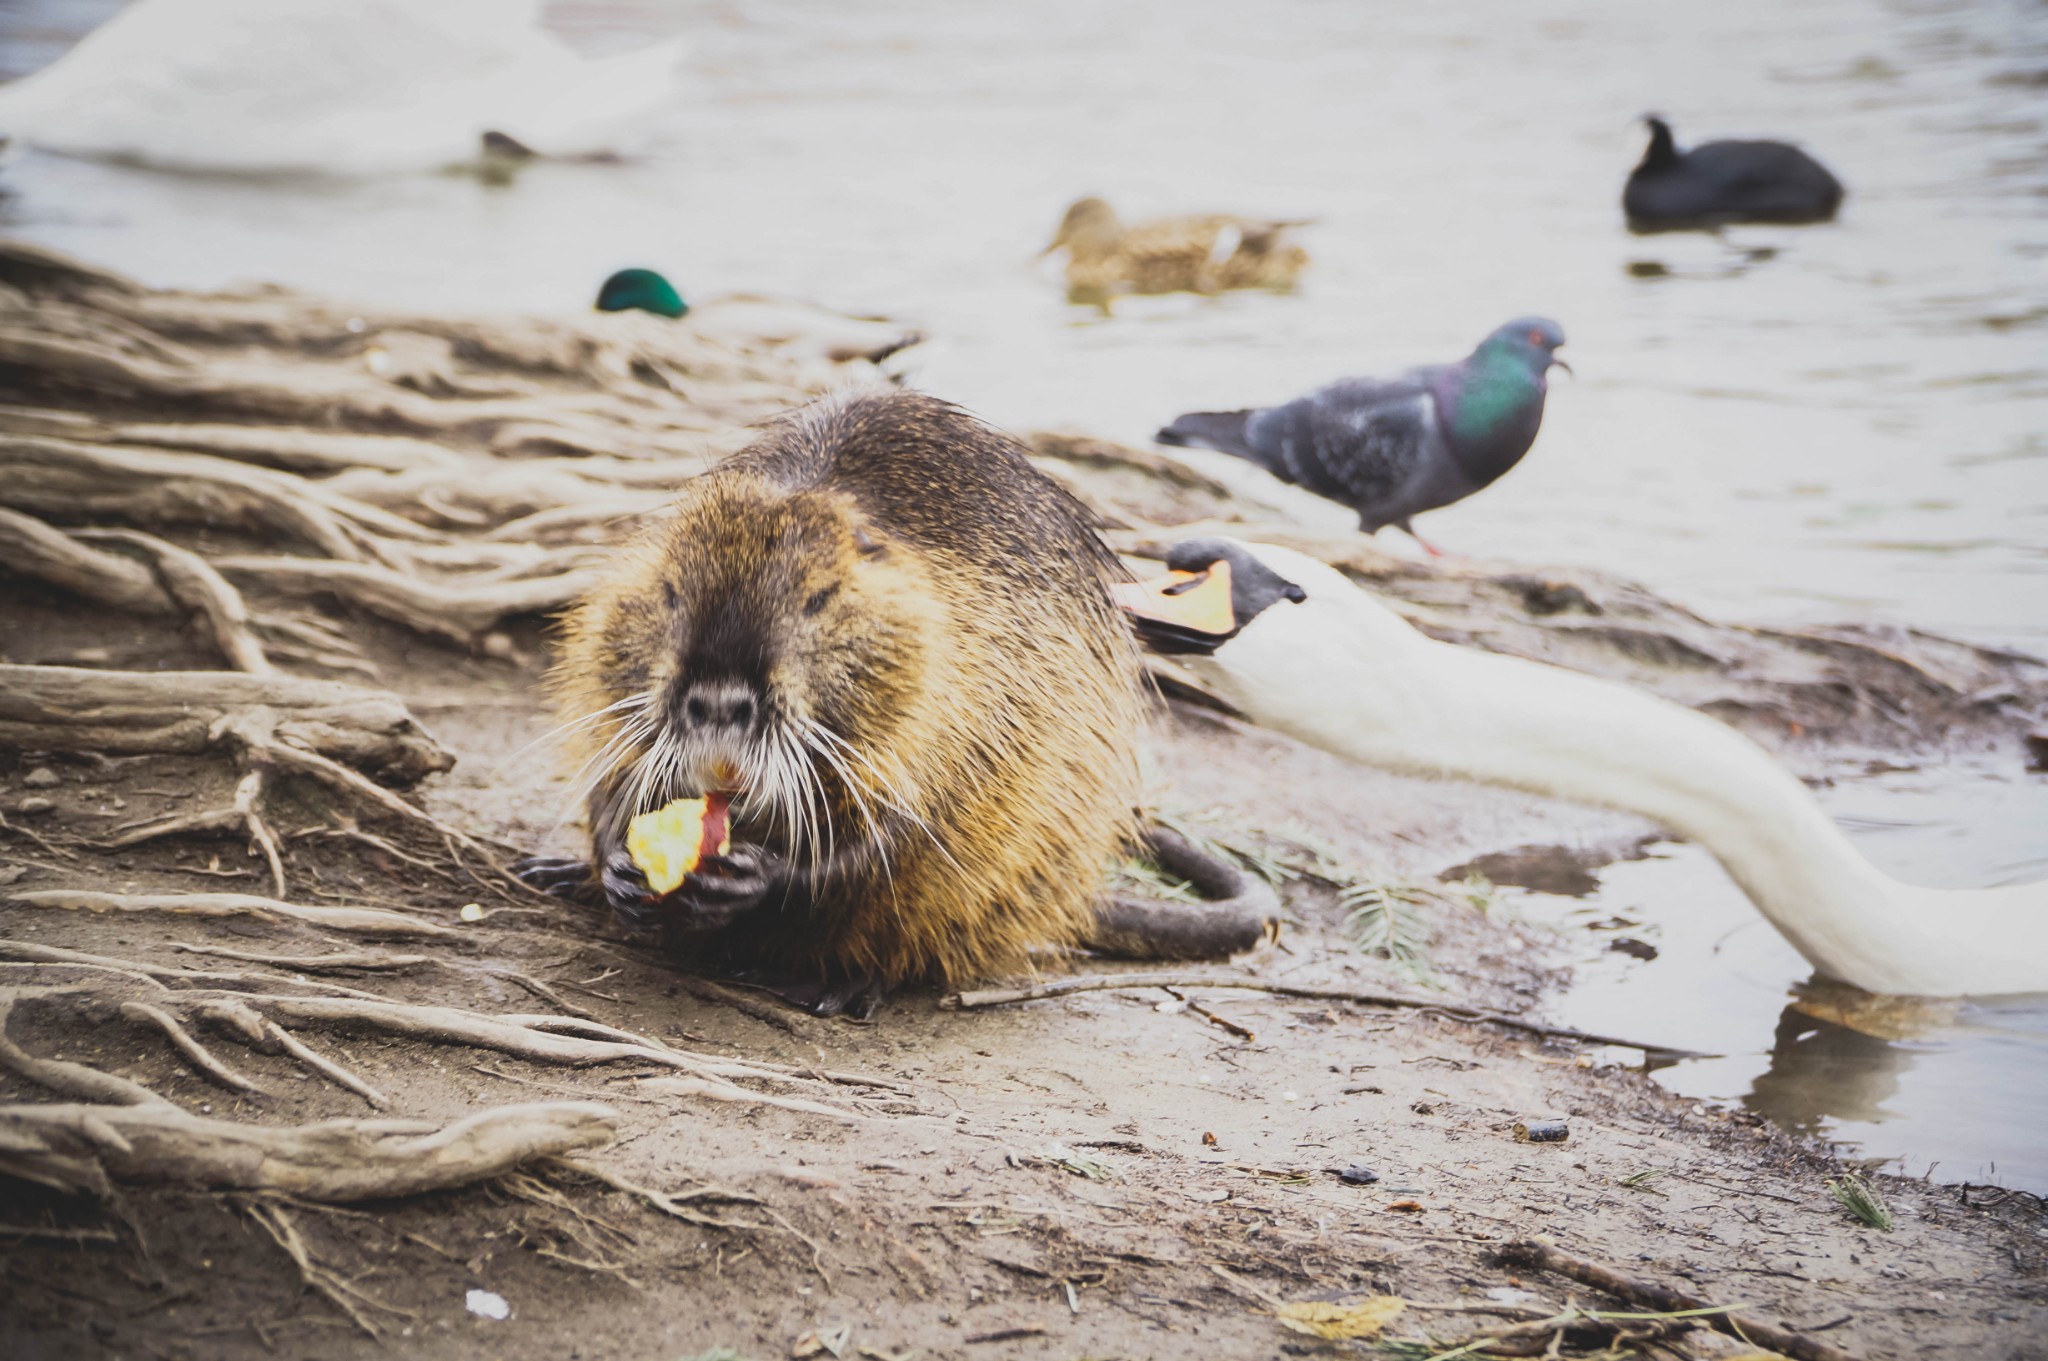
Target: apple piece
670, 842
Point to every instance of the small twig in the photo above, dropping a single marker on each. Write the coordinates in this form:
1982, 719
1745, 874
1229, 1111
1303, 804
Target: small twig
1652, 1295
1063, 987
1221, 1022
1007, 1334
1737, 1190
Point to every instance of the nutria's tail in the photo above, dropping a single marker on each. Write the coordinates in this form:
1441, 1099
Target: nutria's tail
1223, 431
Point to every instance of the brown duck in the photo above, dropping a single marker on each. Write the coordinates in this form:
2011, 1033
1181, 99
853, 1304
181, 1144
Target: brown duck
1205, 253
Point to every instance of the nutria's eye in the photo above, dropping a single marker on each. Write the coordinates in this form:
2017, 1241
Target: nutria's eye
818, 601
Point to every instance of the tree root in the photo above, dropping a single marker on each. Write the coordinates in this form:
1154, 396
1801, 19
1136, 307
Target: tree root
725, 1091
200, 1056
672, 1204
369, 921
91, 1148
364, 961
157, 488
461, 612
536, 1038
74, 1080
344, 1295
61, 708
195, 586
181, 583
163, 713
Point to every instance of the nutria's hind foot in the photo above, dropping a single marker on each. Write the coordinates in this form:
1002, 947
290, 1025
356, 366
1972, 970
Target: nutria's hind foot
854, 998
1238, 913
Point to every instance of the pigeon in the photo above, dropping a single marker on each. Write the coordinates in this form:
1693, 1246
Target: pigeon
1717, 183
1207, 253
1391, 448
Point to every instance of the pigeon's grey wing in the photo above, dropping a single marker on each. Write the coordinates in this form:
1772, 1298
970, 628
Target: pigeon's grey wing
1360, 443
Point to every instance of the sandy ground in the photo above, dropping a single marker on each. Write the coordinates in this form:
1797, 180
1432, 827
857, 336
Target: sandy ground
1121, 1173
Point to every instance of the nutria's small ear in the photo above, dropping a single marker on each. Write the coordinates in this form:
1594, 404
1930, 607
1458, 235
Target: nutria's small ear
869, 545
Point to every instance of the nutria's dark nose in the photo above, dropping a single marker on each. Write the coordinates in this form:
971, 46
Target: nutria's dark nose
718, 704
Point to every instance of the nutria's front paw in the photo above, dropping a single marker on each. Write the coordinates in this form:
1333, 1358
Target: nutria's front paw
626, 892
721, 888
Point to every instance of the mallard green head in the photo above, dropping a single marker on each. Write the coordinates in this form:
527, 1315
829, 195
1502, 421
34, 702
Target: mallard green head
640, 290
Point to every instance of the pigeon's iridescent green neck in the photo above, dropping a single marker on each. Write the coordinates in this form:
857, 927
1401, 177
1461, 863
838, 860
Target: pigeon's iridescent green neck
1500, 386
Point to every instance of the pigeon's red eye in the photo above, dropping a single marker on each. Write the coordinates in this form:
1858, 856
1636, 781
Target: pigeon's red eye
1536, 337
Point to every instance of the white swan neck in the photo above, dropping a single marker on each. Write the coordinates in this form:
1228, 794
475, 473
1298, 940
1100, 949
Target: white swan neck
1380, 693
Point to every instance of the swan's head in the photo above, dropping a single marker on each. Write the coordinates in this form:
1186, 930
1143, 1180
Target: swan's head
1278, 632
1224, 598
640, 290
1212, 589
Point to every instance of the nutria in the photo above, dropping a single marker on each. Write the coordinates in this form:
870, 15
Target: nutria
894, 639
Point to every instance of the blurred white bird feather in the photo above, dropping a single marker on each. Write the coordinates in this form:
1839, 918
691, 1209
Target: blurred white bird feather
337, 86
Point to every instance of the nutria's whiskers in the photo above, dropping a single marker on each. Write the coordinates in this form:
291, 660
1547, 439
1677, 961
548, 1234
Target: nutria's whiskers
892, 798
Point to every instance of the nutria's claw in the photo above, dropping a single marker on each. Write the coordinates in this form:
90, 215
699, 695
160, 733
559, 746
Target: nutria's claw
627, 894
555, 875
721, 888
854, 998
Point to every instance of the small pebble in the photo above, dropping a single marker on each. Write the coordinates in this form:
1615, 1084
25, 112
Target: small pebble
498, 645
1358, 1174
486, 1304
34, 803
1541, 1131
42, 777
471, 912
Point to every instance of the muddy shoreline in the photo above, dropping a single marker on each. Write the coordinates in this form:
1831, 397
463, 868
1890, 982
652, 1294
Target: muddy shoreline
1125, 1173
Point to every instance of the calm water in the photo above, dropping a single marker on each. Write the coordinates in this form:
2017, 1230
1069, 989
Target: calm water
1848, 422
1958, 1084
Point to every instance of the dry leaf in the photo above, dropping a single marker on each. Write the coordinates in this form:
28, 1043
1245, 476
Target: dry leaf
831, 1340
1339, 1321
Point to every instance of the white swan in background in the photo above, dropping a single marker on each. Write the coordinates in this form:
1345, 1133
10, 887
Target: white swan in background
336, 86
1298, 647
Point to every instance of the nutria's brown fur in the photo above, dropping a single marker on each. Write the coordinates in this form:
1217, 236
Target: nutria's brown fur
891, 570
